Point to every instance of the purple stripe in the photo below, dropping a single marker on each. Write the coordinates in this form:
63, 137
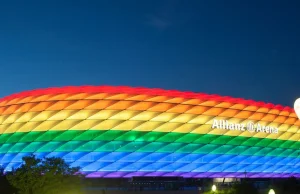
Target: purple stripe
193, 174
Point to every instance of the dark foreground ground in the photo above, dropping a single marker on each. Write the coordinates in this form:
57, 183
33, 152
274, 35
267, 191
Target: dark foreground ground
158, 185
143, 192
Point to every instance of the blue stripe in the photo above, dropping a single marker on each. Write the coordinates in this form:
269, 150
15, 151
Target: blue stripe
167, 162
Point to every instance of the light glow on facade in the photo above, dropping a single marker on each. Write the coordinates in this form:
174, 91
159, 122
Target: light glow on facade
125, 132
297, 107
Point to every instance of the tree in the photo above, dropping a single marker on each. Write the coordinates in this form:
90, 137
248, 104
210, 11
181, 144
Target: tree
5, 187
48, 176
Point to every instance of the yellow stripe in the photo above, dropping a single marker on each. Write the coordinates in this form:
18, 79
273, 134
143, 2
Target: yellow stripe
138, 115
121, 113
200, 127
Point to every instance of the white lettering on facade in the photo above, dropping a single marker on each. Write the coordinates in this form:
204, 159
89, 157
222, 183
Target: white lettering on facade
250, 126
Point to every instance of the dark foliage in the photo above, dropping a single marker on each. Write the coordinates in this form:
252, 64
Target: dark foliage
47, 176
245, 188
4, 184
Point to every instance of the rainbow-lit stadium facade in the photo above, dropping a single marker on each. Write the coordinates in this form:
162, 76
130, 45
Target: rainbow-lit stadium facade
126, 132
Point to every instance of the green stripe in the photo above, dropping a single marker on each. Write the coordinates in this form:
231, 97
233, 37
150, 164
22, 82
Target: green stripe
142, 146
129, 141
108, 135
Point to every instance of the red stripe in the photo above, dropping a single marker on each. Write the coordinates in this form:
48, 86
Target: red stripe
146, 91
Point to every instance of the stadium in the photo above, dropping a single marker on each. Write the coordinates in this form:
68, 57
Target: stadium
123, 132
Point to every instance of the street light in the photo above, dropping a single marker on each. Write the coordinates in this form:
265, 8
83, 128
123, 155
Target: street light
271, 191
214, 188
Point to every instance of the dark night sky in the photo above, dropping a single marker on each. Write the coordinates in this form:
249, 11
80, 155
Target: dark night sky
248, 49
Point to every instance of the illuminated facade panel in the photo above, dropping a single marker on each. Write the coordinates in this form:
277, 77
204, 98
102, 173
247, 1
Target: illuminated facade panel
125, 132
